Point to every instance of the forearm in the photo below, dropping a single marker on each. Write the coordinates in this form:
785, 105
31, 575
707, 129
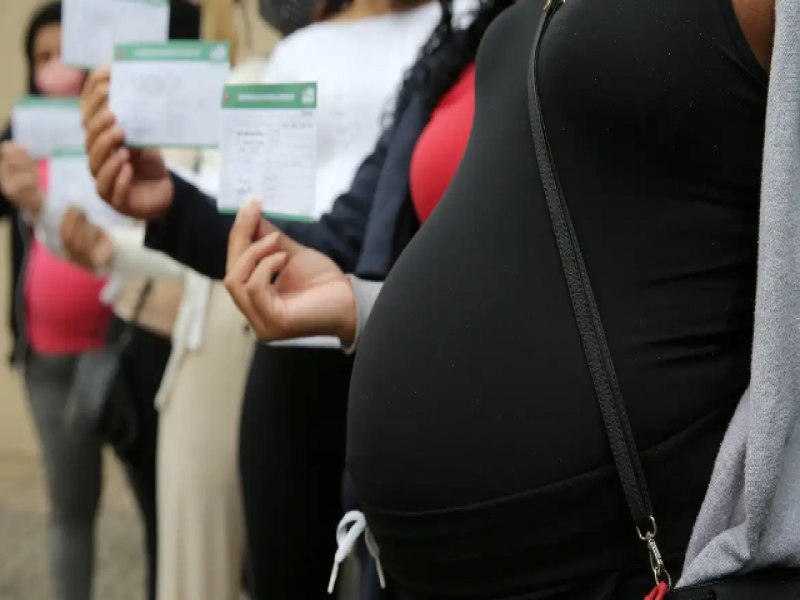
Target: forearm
192, 231
131, 257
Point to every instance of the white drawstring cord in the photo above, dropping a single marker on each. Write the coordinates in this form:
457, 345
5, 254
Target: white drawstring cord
375, 552
350, 528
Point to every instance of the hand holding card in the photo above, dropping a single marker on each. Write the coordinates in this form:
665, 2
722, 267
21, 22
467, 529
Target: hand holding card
135, 182
19, 178
85, 243
286, 290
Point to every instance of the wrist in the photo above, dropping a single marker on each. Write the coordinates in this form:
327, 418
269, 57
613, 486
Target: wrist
162, 214
346, 325
346, 330
34, 207
31, 208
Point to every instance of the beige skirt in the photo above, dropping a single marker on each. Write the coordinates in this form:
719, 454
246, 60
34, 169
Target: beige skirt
200, 517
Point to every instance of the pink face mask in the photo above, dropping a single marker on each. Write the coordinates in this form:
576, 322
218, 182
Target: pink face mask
57, 79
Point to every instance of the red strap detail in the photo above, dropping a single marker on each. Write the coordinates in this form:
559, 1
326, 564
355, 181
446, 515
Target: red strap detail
659, 592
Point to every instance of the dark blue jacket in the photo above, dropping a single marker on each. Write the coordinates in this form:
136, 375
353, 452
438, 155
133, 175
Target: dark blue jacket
364, 232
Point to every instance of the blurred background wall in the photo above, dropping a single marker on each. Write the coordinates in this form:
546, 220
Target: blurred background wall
16, 436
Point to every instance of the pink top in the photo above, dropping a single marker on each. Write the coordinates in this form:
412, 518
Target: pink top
442, 144
63, 311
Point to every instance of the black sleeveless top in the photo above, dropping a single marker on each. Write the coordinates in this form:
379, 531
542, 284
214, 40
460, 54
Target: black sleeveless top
475, 442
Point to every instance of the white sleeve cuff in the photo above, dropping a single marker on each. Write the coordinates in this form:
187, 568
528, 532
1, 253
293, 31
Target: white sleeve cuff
131, 257
366, 293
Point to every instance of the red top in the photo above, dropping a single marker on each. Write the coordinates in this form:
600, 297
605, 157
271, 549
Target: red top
63, 309
442, 144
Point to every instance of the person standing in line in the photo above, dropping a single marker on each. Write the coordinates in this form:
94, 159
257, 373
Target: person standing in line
201, 538
373, 214
57, 315
60, 312
292, 445
471, 385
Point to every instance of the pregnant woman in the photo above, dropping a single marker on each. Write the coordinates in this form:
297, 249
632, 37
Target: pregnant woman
475, 443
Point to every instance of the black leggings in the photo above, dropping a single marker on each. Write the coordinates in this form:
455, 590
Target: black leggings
291, 460
142, 369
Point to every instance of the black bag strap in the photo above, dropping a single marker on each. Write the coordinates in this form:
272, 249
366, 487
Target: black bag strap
587, 318
127, 334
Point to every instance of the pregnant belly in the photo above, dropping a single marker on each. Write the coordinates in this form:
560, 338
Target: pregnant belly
470, 381
474, 439
461, 393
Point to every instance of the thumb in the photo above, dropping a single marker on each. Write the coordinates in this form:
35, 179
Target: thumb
245, 230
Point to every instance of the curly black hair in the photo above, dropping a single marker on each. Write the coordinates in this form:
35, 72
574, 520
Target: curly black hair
462, 46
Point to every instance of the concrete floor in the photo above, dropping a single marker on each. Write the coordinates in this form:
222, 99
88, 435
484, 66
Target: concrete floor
23, 515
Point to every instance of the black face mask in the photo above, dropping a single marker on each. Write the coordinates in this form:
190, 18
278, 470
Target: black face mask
287, 16
184, 20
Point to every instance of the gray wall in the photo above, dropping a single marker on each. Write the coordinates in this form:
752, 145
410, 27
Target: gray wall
16, 436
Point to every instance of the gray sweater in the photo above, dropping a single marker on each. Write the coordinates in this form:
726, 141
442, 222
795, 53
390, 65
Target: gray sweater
751, 514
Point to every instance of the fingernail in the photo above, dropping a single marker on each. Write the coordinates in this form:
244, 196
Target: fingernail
268, 240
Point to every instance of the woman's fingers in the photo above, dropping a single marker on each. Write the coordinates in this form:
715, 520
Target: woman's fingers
287, 244
71, 224
103, 148
122, 188
107, 176
239, 272
263, 298
243, 233
13, 156
95, 102
98, 124
74, 228
244, 265
85, 243
260, 279
95, 93
243, 258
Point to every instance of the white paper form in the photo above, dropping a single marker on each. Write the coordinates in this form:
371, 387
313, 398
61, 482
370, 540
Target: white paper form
42, 124
71, 185
92, 28
268, 143
169, 95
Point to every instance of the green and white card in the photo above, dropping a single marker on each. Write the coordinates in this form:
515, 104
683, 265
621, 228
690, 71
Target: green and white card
42, 123
268, 143
169, 94
92, 28
71, 184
